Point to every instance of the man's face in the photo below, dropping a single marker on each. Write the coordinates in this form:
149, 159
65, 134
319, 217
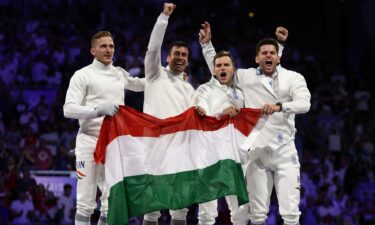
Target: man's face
103, 50
224, 70
178, 59
268, 59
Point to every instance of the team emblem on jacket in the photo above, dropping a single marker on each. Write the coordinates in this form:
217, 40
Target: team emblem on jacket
280, 137
80, 165
234, 93
80, 175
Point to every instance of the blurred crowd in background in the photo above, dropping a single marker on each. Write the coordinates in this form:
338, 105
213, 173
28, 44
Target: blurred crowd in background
42, 43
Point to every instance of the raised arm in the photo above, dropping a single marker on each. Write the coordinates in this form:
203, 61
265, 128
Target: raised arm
281, 35
208, 49
153, 55
300, 93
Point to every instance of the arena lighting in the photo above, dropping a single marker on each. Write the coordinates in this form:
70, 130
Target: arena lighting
251, 14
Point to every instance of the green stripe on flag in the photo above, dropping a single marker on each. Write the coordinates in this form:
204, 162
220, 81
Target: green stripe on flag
138, 195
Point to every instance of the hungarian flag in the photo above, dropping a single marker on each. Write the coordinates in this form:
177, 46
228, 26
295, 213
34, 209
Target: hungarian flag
153, 164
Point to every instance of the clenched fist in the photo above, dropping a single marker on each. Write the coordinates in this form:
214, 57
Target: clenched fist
168, 8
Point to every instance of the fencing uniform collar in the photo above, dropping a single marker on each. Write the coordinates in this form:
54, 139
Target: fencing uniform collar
215, 82
260, 72
100, 65
180, 75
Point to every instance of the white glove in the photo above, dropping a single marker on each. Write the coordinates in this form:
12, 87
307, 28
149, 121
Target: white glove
108, 109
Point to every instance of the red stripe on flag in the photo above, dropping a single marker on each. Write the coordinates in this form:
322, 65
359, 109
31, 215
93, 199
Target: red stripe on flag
129, 121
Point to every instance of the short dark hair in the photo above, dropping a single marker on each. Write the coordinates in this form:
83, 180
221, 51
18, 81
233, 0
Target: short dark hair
266, 41
100, 34
222, 54
177, 44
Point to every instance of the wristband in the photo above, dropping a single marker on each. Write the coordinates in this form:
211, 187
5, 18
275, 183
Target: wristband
280, 105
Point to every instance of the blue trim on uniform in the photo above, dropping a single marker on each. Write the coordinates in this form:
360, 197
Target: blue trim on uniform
258, 72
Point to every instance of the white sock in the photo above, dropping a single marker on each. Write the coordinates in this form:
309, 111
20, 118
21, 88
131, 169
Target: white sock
102, 220
81, 220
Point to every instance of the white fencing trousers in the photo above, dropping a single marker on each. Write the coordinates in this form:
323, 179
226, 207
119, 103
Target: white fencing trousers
179, 214
279, 168
208, 212
90, 177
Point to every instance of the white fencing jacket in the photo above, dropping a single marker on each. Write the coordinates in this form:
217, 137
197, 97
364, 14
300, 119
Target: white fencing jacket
91, 86
166, 94
293, 94
214, 97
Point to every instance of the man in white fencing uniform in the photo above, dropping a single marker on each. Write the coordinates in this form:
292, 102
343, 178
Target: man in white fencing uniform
219, 97
167, 93
273, 159
95, 91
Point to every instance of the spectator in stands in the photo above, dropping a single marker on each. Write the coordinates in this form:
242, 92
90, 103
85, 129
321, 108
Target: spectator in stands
63, 161
66, 203
25, 182
4, 203
22, 209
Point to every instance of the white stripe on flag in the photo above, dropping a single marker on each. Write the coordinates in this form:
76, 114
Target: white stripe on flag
171, 153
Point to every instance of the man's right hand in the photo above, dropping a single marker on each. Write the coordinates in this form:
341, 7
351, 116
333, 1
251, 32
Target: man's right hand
231, 111
281, 34
200, 110
108, 109
168, 8
205, 33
